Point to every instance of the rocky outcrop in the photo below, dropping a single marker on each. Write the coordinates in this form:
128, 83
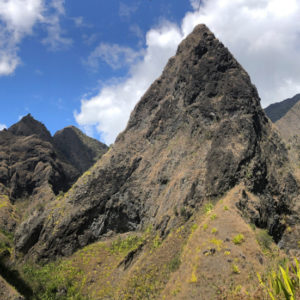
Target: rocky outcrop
197, 132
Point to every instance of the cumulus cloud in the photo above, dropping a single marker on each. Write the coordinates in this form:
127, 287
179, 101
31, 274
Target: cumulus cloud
262, 34
17, 20
2, 126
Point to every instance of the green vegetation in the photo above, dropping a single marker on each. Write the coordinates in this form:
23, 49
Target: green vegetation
283, 283
226, 208
264, 240
217, 243
214, 230
235, 269
126, 245
213, 217
238, 239
175, 263
208, 207
156, 242
55, 281
194, 278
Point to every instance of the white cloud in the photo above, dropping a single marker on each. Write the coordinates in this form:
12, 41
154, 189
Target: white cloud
264, 37
18, 19
2, 126
114, 55
110, 109
55, 39
262, 34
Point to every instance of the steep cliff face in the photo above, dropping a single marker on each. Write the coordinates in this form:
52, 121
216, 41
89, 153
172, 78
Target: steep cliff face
197, 132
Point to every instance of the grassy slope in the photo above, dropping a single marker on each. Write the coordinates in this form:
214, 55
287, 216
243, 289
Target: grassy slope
198, 259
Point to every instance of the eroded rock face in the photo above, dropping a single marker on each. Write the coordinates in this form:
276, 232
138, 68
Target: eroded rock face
198, 131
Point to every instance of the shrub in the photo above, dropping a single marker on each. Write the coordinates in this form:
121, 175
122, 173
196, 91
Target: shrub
208, 207
235, 269
213, 217
194, 277
214, 230
238, 239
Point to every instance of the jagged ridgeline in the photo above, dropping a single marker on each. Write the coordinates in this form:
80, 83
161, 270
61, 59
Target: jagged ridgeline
198, 132
35, 167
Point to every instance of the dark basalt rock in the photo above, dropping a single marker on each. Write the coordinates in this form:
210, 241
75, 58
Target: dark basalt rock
198, 131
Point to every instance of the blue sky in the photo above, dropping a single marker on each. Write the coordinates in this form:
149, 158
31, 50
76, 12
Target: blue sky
87, 63
49, 83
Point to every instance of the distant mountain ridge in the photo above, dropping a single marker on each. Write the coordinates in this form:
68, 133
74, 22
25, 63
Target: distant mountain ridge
278, 110
81, 150
35, 165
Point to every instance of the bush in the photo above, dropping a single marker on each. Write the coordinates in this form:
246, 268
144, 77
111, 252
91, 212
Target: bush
238, 239
235, 269
208, 207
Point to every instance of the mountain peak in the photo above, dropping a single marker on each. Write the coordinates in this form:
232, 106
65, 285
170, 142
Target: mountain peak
278, 110
80, 149
202, 76
28, 126
198, 132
